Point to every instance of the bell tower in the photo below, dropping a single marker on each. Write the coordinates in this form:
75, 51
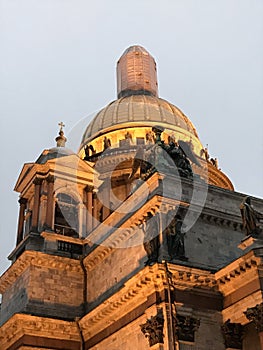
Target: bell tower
46, 278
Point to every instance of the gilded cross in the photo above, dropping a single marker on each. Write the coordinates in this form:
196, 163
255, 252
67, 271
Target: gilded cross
62, 125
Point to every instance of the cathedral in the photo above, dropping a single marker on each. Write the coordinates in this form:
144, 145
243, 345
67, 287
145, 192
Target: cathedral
139, 241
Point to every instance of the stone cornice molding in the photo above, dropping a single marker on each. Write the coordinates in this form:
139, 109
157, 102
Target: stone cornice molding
222, 219
237, 268
136, 290
133, 293
116, 235
22, 324
32, 258
188, 277
52, 171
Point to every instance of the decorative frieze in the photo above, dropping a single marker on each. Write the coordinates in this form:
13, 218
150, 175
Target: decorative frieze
153, 328
232, 334
255, 314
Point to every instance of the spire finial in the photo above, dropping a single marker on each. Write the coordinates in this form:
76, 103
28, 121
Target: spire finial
61, 139
62, 125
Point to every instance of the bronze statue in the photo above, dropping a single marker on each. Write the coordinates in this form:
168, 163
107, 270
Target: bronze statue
151, 238
251, 218
87, 150
106, 143
153, 158
175, 238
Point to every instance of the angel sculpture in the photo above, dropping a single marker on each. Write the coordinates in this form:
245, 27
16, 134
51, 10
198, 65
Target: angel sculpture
251, 218
153, 158
87, 150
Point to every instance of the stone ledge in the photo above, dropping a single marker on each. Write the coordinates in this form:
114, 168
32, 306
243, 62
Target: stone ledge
33, 258
21, 324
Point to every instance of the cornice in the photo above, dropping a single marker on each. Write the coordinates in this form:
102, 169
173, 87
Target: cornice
31, 258
137, 289
22, 324
237, 268
222, 219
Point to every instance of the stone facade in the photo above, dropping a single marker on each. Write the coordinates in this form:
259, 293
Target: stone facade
92, 271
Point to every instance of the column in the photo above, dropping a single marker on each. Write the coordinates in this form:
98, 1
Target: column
255, 314
89, 215
35, 213
106, 199
20, 228
94, 211
50, 203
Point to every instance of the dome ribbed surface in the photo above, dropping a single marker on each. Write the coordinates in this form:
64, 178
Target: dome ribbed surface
138, 109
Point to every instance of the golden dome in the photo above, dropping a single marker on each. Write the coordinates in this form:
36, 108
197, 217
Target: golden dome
138, 110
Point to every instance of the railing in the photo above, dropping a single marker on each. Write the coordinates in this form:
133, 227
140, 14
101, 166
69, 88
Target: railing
71, 248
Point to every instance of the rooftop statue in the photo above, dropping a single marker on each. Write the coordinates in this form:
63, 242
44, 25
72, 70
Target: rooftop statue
153, 158
252, 219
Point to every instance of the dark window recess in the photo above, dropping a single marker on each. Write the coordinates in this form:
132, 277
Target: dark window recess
70, 247
66, 216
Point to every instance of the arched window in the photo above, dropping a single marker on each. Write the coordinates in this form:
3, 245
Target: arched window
66, 216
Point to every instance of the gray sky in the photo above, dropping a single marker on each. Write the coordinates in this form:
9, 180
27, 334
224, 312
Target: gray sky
58, 60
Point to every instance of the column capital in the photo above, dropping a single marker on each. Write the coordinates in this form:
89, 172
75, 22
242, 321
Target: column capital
232, 334
185, 327
38, 180
22, 201
50, 178
153, 328
255, 314
89, 188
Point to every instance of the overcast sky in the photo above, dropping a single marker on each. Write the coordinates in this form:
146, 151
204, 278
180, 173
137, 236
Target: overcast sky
58, 60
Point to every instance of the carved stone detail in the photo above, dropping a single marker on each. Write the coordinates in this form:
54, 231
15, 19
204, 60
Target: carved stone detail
20, 324
185, 327
153, 328
232, 333
255, 314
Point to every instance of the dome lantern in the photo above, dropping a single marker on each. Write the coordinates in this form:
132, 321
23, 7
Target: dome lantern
136, 73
